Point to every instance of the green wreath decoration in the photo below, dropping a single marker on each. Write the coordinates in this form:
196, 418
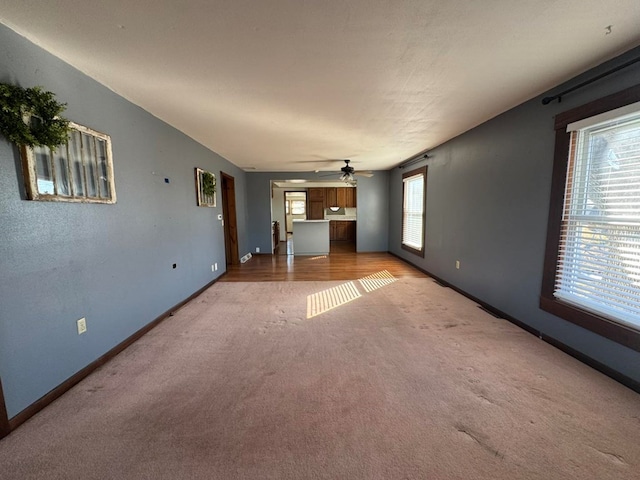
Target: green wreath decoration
31, 117
208, 184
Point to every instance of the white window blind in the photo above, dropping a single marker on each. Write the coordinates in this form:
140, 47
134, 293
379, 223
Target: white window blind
413, 212
599, 254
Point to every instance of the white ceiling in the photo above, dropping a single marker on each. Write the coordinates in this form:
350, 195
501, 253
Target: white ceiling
282, 85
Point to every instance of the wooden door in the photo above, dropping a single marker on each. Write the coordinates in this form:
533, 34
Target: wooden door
230, 221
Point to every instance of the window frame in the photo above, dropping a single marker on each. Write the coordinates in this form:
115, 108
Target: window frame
618, 332
31, 175
413, 173
304, 207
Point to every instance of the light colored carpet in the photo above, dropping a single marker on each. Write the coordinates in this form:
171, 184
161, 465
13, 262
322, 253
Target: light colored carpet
407, 381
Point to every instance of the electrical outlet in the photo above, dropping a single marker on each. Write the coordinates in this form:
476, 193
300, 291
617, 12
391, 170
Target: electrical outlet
82, 325
457, 264
215, 265
213, 269
257, 249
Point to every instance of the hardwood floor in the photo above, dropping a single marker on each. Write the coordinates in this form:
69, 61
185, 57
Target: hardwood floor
335, 266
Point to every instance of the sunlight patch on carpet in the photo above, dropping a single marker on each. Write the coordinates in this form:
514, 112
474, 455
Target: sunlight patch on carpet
331, 298
377, 280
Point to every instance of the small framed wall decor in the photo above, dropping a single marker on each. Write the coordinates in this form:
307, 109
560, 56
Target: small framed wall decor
205, 188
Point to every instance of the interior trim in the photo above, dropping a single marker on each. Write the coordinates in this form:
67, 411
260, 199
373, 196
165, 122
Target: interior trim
593, 363
65, 386
622, 334
417, 171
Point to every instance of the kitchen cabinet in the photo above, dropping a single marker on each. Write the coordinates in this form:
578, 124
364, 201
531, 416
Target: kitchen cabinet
316, 210
350, 198
331, 198
340, 197
342, 230
315, 194
316, 203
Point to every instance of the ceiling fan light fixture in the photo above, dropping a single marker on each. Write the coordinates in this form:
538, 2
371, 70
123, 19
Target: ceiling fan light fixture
346, 177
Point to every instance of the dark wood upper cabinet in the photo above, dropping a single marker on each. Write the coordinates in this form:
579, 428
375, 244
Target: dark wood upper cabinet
350, 197
316, 201
340, 197
316, 194
316, 210
331, 197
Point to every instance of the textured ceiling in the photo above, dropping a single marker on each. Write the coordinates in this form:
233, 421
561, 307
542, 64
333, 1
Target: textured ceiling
282, 85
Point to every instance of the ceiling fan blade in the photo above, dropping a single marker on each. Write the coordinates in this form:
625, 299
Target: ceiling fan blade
364, 174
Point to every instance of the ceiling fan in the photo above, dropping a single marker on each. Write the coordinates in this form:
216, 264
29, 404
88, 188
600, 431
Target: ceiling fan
348, 172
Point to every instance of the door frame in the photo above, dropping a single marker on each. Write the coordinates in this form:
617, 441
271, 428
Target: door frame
306, 207
230, 220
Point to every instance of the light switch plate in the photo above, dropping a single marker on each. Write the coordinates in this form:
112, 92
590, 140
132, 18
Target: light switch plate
82, 325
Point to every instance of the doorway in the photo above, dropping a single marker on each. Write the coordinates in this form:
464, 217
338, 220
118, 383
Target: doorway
230, 222
295, 208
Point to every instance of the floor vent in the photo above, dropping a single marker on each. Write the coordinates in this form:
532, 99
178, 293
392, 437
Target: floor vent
245, 258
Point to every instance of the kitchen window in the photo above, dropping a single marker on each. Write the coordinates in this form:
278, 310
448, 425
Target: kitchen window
295, 207
79, 171
413, 210
298, 207
592, 264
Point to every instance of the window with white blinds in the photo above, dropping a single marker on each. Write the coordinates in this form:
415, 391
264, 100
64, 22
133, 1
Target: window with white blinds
598, 265
413, 210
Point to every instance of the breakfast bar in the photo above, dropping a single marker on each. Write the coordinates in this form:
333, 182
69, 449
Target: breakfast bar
311, 237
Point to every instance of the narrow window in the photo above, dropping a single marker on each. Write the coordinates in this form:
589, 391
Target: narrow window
413, 210
79, 171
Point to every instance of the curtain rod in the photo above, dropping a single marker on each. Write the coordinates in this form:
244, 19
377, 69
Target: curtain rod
548, 100
414, 159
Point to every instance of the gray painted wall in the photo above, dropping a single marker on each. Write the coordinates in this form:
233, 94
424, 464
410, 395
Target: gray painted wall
373, 212
487, 206
109, 263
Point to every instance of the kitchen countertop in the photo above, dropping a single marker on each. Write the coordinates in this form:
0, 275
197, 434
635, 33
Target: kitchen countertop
299, 220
